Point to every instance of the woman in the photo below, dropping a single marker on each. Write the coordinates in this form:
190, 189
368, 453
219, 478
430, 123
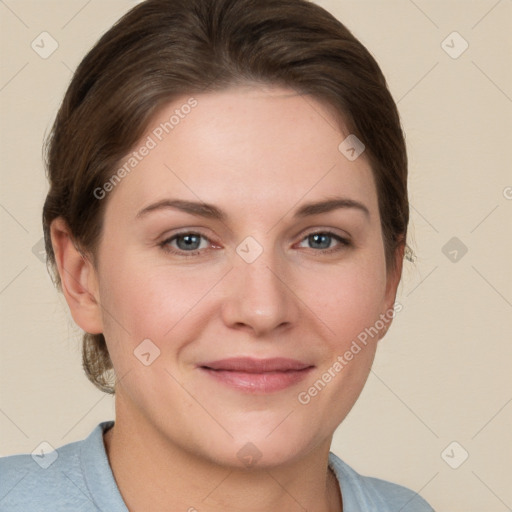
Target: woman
227, 220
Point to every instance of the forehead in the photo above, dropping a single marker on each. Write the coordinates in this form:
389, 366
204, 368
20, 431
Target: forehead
247, 148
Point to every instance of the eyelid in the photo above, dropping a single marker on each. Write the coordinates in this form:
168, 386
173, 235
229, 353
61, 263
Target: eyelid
199, 231
165, 243
343, 241
337, 232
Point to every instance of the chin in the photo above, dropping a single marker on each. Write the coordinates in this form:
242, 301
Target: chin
261, 448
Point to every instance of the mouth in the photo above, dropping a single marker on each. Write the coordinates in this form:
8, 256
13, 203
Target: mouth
257, 375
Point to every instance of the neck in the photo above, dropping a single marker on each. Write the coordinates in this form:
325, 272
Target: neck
152, 473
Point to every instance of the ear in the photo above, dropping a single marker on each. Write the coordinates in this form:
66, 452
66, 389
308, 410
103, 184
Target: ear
78, 278
392, 281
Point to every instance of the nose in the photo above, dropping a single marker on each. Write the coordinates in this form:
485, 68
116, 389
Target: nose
259, 296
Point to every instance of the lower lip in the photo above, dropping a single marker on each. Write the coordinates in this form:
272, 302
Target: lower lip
267, 382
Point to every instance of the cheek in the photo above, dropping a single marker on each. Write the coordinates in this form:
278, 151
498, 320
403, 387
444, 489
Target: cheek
146, 299
349, 305
348, 299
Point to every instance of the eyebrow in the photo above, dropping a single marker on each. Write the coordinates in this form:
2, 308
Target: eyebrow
210, 211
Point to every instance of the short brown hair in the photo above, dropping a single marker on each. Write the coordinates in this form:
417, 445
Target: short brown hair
163, 49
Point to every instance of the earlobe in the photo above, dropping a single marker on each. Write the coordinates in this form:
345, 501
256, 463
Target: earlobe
78, 278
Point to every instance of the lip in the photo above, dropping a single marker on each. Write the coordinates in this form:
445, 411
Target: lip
257, 375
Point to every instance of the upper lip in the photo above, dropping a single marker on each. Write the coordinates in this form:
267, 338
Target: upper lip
252, 365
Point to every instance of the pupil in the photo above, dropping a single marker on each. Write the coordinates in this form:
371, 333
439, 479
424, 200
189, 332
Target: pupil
321, 239
190, 241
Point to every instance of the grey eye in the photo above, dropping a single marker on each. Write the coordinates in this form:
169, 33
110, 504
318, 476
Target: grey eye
320, 240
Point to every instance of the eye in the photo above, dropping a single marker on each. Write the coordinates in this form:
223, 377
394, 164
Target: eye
186, 244
323, 240
190, 243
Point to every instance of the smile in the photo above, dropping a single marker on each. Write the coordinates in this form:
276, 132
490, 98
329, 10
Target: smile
257, 375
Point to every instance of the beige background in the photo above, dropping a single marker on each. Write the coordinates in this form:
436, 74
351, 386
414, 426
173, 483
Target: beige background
442, 374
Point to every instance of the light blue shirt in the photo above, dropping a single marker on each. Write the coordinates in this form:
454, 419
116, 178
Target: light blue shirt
79, 479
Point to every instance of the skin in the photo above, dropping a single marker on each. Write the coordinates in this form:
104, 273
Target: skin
258, 153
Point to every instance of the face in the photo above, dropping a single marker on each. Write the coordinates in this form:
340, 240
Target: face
230, 304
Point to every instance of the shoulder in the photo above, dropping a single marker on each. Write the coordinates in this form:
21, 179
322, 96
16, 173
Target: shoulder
48, 479
367, 494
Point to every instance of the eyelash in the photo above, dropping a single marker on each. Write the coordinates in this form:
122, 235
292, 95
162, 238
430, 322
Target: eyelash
343, 243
